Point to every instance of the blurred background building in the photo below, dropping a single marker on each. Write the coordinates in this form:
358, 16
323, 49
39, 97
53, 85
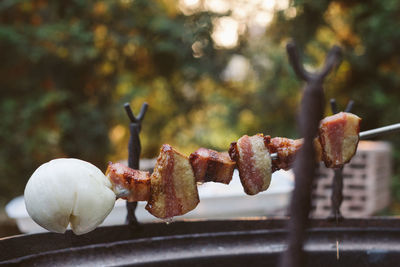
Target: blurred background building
211, 71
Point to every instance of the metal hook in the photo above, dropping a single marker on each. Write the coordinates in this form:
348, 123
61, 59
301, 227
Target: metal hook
134, 150
304, 167
294, 60
332, 60
132, 117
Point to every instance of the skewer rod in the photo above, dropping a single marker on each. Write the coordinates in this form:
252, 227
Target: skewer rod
368, 134
379, 131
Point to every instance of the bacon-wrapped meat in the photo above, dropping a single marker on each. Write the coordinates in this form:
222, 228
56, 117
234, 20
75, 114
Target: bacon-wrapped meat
254, 163
132, 184
173, 188
212, 166
339, 136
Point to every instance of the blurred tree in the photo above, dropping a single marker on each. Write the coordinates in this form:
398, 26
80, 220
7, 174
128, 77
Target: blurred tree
370, 35
67, 66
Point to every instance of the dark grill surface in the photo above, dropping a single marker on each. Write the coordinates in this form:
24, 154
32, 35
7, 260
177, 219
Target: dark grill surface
362, 242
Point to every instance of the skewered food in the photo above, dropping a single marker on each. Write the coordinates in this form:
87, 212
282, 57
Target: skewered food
173, 188
254, 163
339, 136
132, 185
68, 191
71, 191
286, 149
336, 144
212, 166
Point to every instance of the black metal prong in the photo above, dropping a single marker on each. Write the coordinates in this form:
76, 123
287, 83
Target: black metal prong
349, 106
295, 61
334, 107
142, 112
134, 150
129, 112
332, 61
311, 111
337, 195
337, 183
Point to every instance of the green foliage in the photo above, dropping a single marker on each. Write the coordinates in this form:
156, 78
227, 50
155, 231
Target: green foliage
68, 66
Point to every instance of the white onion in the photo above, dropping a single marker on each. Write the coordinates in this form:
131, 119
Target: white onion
69, 191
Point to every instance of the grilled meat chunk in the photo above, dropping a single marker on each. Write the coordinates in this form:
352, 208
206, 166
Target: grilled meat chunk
339, 136
130, 184
173, 188
254, 163
286, 149
212, 166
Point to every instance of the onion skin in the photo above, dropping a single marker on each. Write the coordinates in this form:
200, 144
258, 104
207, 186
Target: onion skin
69, 191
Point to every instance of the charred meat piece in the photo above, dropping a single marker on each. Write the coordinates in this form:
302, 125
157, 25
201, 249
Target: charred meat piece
173, 188
130, 184
286, 149
254, 163
212, 166
339, 136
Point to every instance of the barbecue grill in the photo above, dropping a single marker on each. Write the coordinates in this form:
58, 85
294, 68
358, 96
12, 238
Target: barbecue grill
298, 241
256, 241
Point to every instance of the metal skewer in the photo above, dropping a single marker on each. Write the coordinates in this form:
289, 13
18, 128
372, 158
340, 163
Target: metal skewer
379, 131
368, 134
